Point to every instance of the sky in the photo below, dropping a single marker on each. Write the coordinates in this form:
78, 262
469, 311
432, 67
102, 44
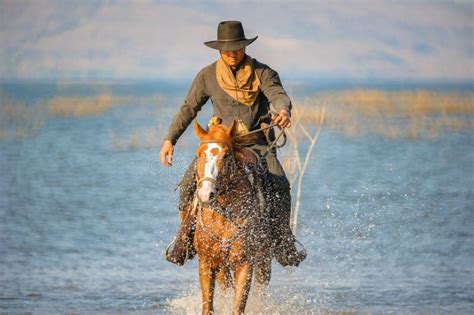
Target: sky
363, 39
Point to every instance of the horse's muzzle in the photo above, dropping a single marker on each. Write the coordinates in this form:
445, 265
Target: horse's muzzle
206, 194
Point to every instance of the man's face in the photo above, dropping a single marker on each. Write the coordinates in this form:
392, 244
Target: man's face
233, 57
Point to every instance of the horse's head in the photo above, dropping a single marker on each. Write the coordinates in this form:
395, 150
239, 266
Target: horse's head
215, 147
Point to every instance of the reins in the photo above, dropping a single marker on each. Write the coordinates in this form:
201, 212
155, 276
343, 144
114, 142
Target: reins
256, 130
274, 143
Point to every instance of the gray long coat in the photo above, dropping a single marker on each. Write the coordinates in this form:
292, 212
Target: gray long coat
205, 86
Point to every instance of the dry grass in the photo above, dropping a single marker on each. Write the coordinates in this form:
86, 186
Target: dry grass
81, 106
94, 105
402, 114
405, 114
18, 120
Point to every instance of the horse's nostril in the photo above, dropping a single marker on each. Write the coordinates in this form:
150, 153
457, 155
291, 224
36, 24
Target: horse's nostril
211, 195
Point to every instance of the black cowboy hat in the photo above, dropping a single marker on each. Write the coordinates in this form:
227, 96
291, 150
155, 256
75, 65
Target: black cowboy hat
230, 36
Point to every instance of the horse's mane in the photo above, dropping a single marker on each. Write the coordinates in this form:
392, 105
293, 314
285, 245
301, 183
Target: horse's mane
218, 133
244, 140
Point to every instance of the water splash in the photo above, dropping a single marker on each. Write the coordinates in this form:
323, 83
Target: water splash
269, 302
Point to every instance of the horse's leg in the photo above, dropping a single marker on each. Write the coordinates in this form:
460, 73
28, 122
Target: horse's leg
242, 281
263, 271
224, 278
207, 277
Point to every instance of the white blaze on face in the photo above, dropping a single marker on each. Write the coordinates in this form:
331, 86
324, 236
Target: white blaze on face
210, 171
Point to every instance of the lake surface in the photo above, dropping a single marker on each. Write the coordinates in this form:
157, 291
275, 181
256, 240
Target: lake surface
86, 211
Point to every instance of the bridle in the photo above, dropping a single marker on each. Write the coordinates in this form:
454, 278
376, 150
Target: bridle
206, 179
231, 155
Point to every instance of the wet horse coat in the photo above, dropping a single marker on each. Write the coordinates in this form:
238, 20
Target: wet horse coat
231, 236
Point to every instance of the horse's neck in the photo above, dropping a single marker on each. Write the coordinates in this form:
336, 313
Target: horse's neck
240, 180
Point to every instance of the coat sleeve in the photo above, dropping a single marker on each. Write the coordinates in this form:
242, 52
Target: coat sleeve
197, 96
273, 89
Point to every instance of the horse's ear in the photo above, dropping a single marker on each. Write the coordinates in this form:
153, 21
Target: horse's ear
200, 132
232, 128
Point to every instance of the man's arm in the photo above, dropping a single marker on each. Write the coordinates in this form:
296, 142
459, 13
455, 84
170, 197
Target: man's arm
196, 98
193, 102
272, 88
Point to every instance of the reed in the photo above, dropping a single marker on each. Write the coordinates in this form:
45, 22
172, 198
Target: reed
82, 106
19, 120
390, 114
401, 114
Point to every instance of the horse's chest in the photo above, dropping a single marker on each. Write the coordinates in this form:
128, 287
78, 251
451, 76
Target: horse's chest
221, 241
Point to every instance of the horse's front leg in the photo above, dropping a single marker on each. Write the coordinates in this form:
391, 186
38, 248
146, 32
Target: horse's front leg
242, 281
207, 277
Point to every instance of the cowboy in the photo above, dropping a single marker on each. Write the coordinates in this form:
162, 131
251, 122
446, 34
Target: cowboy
241, 89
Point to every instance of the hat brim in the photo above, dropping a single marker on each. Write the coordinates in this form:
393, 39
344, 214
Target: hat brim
234, 45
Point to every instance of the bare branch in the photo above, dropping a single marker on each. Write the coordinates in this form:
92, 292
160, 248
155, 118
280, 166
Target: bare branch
303, 169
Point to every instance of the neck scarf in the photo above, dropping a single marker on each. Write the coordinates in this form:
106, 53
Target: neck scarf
244, 86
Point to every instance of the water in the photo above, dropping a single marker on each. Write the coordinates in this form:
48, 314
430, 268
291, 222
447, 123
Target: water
84, 221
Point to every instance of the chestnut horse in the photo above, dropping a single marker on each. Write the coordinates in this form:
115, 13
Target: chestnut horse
231, 237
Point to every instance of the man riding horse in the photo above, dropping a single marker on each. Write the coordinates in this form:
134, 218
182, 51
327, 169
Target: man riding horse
241, 89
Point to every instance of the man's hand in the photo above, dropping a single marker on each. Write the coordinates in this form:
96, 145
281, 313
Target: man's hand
282, 119
166, 153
